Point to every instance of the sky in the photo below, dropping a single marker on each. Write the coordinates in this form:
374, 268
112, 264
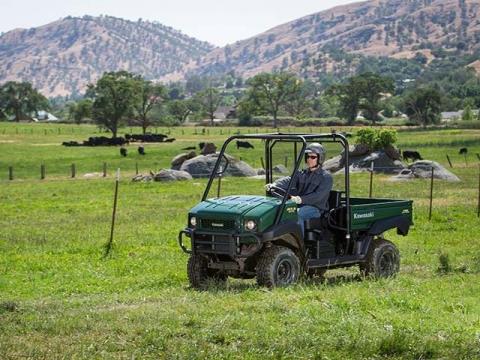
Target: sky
219, 22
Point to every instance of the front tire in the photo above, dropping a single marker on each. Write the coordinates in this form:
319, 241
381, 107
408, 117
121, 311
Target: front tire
199, 275
383, 260
278, 266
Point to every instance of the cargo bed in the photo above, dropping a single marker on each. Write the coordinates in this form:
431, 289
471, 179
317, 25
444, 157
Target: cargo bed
365, 211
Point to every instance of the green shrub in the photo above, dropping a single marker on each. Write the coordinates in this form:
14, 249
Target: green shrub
376, 139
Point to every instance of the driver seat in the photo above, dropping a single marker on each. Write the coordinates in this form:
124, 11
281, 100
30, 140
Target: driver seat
334, 201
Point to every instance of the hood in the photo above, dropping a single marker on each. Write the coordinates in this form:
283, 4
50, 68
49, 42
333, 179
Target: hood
232, 206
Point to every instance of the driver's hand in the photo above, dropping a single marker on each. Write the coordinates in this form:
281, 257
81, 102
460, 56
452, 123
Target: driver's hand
296, 199
269, 187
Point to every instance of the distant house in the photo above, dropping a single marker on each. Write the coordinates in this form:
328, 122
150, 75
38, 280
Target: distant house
225, 112
451, 115
45, 116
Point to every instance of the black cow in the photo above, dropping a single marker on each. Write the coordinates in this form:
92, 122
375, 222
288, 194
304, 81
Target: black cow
463, 151
141, 150
244, 144
123, 151
411, 154
170, 140
201, 145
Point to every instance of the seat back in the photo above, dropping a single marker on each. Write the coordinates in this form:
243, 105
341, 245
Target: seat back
334, 199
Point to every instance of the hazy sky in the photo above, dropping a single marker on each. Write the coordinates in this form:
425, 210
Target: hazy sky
219, 22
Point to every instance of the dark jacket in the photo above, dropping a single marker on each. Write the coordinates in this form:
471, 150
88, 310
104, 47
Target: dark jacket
312, 186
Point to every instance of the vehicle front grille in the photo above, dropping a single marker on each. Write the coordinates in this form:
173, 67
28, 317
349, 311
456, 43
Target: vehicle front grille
221, 225
214, 244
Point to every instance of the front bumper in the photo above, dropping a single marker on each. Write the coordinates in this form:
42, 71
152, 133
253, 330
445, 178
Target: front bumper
209, 242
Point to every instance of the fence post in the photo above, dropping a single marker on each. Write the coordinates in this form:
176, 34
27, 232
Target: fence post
136, 168
219, 188
478, 205
431, 195
109, 244
286, 161
448, 158
10, 173
371, 180
104, 169
73, 171
42, 172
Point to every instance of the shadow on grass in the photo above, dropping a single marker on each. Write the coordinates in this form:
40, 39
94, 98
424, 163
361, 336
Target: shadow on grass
240, 286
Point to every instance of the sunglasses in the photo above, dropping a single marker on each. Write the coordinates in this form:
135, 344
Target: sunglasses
310, 157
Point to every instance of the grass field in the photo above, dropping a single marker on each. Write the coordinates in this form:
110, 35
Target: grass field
60, 299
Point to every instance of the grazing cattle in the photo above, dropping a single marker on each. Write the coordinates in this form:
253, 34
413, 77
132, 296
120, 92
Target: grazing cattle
146, 137
244, 144
71, 143
104, 141
170, 140
411, 154
123, 151
189, 148
463, 151
141, 150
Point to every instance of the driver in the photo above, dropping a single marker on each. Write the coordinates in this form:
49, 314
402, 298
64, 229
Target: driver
311, 186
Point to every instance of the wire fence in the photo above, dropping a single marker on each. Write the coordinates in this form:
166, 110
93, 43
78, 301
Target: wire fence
431, 189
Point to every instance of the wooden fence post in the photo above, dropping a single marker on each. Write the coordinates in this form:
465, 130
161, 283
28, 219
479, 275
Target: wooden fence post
371, 180
104, 169
448, 158
73, 170
10, 173
431, 195
219, 188
286, 161
136, 168
42, 172
478, 205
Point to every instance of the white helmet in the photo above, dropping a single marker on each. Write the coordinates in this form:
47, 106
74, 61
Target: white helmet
318, 149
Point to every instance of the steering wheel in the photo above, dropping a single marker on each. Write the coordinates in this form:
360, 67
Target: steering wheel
277, 191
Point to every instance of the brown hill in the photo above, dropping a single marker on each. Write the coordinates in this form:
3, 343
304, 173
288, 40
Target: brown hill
62, 57
379, 27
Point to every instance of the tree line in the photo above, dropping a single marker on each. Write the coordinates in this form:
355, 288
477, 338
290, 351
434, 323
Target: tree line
123, 96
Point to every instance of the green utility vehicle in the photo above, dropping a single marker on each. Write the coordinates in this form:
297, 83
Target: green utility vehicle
245, 236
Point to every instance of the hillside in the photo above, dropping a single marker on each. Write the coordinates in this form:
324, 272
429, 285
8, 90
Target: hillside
392, 28
62, 57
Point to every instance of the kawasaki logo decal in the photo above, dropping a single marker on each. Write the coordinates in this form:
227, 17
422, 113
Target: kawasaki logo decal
364, 215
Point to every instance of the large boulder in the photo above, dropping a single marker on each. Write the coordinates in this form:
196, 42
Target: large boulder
202, 166
208, 148
381, 163
359, 155
178, 160
280, 169
423, 169
171, 175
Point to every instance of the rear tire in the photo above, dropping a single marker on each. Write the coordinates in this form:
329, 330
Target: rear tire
383, 260
199, 275
278, 266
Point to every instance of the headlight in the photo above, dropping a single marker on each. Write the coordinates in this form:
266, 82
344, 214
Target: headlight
250, 225
193, 221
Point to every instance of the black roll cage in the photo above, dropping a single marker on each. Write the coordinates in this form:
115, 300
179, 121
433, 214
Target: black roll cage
270, 141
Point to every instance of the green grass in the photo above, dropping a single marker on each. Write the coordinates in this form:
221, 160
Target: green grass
60, 299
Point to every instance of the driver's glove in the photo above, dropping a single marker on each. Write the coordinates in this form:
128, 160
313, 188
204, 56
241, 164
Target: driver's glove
296, 199
268, 187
